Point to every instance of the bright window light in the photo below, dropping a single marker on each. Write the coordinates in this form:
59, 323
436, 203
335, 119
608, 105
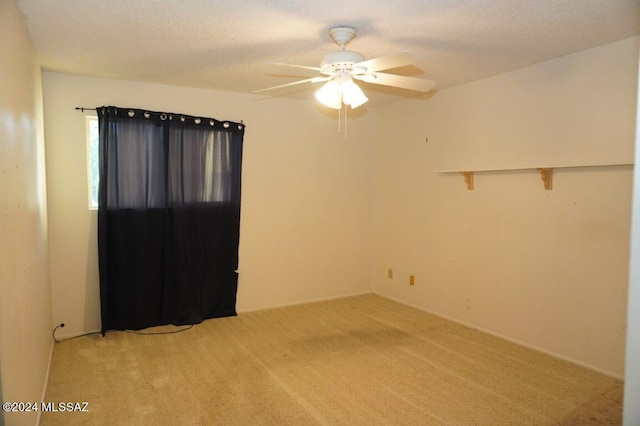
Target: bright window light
93, 160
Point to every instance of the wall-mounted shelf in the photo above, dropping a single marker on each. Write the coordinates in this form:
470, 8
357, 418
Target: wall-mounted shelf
546, 173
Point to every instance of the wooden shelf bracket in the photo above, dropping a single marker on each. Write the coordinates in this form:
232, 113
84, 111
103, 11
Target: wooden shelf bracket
468, 179
546, 175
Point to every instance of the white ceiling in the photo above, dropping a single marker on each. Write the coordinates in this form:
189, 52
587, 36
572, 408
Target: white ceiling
229, 45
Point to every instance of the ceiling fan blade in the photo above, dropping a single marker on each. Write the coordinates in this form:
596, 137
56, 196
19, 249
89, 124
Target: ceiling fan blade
308, 80
304, 67
387, 62
404, 82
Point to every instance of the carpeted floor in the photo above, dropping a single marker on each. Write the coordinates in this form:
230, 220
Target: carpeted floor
361, 360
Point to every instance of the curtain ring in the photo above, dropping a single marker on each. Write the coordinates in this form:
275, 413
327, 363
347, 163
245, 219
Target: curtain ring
131, 113
146, 114
182, 119
197, 121
163, 116
226, 125
211, 123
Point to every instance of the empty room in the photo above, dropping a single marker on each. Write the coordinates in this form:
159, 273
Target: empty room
364, 212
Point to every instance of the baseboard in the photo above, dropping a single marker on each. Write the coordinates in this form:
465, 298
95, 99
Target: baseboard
46, 382
509, 339
303, 302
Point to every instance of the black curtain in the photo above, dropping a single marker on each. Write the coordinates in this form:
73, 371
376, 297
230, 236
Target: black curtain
168, 217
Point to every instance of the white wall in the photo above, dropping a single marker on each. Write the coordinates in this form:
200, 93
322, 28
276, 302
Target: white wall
305, 226
545, 268
25, 297
574, 110
632, 367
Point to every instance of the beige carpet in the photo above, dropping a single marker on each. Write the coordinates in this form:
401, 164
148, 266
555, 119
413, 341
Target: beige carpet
362, 360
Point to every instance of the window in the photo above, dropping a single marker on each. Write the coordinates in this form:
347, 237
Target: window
93, 159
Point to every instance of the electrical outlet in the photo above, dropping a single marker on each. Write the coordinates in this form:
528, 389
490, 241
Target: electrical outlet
412, 280
390, 273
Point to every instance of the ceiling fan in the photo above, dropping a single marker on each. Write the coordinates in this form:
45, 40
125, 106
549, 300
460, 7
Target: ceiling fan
340, 68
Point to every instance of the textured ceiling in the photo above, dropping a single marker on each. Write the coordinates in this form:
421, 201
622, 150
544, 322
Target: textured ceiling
229, 45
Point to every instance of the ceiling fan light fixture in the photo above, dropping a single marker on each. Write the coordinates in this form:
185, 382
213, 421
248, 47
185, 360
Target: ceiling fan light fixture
341, 90
330, 95
352, 94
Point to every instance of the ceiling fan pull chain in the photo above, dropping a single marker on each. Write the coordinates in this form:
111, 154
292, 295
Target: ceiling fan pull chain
345, 122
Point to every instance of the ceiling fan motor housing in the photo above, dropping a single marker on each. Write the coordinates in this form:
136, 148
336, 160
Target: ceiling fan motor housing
342, 60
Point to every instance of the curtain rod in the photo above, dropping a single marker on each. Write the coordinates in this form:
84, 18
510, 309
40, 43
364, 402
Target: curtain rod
83, 109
